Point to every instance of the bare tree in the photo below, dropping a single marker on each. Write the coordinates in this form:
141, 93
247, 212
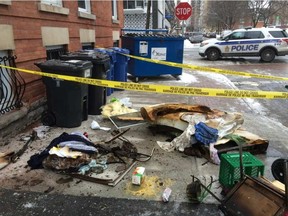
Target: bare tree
224, 14
169, 9
264, 9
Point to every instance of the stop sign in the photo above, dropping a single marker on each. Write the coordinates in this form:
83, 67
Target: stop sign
183, 10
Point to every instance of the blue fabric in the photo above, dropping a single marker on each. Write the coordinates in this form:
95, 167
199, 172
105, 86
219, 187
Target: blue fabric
205, 134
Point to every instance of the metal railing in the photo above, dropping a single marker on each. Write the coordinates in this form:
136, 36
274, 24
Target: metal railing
12, 86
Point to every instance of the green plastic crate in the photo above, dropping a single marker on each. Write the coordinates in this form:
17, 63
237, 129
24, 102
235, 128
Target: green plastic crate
229, 173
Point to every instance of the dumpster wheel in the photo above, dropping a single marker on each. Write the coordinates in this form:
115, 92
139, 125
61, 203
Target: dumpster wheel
48, 119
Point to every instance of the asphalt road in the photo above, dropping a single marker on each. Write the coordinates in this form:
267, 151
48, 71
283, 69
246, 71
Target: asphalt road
274, 109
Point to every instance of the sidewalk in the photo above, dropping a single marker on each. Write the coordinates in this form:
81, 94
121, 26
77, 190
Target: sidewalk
36, 192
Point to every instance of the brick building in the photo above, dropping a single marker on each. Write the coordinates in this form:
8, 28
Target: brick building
41, 29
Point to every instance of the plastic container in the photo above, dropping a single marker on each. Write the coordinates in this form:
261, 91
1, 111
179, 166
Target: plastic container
101, 65
120, 69
159, 46
67, 101
110, 74
230, 174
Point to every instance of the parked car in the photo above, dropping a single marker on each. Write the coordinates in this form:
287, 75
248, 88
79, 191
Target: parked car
264, 42
196, 37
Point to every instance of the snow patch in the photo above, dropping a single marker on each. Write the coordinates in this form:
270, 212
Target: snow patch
29, 205
188, 78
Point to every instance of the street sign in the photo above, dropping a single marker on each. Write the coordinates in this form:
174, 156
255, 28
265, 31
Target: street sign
183, 11
169, 16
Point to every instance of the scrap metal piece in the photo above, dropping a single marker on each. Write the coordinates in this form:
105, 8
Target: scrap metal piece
116, 135
89, 178
116, 181
16, 155
127, 120
253, 197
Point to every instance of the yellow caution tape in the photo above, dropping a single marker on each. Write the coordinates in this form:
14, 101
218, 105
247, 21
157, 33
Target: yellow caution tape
178, 90
207, 69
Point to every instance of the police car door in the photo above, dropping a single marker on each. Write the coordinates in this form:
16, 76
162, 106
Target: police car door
234, 43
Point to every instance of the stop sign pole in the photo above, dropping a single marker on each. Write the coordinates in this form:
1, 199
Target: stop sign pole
183, 11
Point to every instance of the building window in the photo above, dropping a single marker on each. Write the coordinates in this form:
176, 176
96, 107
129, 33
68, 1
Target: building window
116, 43
54, 52
87, 46
114, 10
53, 2
133, 4
84, 6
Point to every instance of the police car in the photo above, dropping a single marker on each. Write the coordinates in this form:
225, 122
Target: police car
263, 42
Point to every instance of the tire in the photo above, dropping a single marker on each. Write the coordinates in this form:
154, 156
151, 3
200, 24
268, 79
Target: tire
268, 55
213, 54
48, 119
277, 169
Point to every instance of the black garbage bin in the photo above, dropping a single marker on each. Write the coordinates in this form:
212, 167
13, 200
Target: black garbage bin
97, 95
67, 100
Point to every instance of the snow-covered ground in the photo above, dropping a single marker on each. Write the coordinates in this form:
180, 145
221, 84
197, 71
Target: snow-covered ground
188, 44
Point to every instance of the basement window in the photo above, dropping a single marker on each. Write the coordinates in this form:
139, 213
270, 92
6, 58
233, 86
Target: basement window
54, 52
87, 46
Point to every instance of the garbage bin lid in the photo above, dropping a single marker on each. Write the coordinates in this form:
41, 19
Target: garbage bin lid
86, 55
110, 52
71, 67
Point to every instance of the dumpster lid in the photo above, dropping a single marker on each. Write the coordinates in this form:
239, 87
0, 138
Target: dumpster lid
153, 36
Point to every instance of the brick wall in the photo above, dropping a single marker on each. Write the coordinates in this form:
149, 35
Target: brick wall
27, 21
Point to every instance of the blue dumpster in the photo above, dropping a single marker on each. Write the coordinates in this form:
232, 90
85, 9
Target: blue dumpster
153, 46
110, 74
120, 69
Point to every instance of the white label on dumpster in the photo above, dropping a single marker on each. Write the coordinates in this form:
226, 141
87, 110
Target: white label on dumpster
158, 53
143, 49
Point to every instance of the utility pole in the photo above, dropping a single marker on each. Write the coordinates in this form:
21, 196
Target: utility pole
148, 14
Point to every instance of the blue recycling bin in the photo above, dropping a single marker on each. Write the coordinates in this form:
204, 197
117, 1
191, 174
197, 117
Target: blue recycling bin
110, 74
120, 67
153, 46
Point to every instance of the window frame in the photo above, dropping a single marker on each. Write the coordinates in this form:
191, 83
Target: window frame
278, 34
114, 9
87, 8
252, 33
58, 3
136, 4
241, 33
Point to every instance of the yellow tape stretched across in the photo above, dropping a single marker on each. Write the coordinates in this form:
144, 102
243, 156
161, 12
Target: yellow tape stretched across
207, 69
179, 90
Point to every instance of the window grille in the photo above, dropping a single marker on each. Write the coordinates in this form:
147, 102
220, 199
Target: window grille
55, 52
12, 85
